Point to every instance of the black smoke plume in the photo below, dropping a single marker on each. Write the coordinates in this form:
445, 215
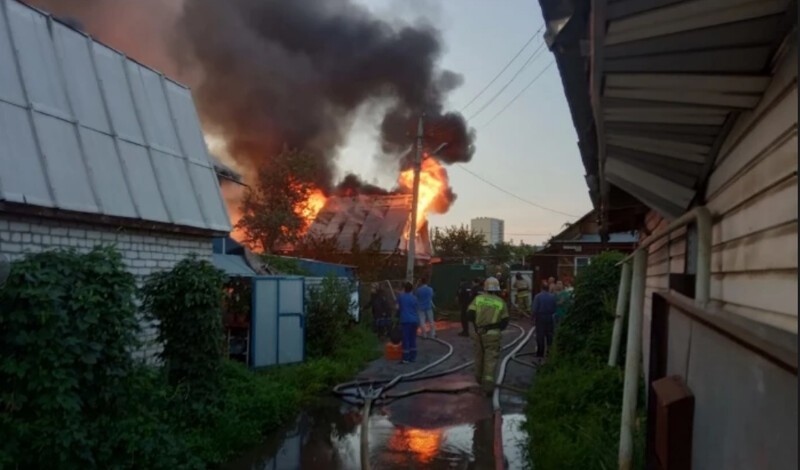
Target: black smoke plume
272, 73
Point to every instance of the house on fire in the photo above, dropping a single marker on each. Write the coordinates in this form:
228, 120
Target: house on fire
381, 221
686, 119
567, 253
96, 148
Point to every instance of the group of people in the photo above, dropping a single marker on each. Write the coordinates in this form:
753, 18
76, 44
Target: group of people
484, 315
415, 309
548, 309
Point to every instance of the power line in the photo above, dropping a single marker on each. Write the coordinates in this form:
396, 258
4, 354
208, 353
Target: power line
514, 195
515, 98
527, 43
499, 92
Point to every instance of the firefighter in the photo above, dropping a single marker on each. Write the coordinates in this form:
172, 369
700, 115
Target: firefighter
488, 314
523, 297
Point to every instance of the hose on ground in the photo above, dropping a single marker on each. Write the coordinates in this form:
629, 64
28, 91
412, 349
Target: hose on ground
372, 395
498, 416
413, 377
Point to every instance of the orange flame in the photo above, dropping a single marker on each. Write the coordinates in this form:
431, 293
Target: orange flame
424, 444
311, 207
433, 184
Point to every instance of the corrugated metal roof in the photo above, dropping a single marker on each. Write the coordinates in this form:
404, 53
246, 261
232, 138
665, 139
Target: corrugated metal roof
232, 265
83, 128
369, 218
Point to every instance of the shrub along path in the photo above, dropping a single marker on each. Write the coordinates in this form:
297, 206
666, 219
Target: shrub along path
573, 416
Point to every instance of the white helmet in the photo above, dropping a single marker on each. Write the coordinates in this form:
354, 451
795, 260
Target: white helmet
491, 284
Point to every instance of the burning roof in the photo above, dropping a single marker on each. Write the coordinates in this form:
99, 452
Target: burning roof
368, 218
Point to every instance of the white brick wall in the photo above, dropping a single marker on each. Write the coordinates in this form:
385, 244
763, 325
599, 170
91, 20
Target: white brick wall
143, 252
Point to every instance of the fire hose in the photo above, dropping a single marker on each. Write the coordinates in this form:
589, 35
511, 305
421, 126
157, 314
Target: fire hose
374, 395
498, 416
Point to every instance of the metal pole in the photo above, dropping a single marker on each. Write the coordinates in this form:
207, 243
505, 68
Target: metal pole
412, 231
619, 316
632, 355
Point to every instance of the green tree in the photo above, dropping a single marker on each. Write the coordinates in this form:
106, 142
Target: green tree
523, 251
501, 252
273, 210
458, 242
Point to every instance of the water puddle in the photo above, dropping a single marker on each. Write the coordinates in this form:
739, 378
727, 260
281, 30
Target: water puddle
427, 431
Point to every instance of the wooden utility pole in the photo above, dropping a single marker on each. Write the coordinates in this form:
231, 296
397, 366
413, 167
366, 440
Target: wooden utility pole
412, 231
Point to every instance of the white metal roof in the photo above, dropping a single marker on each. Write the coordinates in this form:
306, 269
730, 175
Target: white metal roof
369, 218
83, 128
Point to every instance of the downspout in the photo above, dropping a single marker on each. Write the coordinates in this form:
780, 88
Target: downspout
619, 314
632, 352
701, 216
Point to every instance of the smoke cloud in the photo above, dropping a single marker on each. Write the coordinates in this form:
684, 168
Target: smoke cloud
269, 73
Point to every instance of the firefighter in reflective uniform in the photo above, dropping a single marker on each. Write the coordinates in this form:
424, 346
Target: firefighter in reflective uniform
523, 296
488, 314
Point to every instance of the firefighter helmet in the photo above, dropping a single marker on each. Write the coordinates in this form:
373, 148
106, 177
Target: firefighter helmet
491, 284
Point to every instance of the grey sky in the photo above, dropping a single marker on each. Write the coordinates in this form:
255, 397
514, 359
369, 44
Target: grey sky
530, 149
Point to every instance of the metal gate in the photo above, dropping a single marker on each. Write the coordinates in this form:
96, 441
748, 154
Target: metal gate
278, 323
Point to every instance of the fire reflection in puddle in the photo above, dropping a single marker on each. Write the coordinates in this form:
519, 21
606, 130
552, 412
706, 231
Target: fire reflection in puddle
328, 439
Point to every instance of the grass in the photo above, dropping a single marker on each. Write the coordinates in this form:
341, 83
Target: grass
575, 402
256, 404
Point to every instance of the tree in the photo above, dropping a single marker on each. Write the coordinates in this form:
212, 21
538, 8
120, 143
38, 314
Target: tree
523, 251
501, 253
272, 210
458, 242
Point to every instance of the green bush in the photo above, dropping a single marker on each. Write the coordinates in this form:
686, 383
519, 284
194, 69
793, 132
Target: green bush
187, 303
256, 404
327, 316
574, 405
72, 395
588, 317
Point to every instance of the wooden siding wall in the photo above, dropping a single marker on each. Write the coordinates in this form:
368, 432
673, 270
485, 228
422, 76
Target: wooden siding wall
752, 194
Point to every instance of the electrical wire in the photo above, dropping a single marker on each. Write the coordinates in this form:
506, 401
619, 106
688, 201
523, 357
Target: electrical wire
521, 92
525, 46
556, 211
514, 77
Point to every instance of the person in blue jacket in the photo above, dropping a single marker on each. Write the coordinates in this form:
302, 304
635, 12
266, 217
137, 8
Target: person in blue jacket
409, 320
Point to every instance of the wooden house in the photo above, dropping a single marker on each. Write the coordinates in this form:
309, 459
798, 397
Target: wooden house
686, 117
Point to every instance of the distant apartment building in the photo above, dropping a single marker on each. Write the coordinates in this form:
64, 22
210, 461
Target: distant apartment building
492, 229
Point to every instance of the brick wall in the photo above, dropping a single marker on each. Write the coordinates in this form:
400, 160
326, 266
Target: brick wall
143, 252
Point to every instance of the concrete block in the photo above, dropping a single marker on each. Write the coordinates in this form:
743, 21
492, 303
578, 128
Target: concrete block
77, 233
40, 229
58, 231
6, 247
19, 227
16, 237
27, 238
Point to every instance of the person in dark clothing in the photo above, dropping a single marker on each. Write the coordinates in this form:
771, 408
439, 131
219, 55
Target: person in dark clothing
464, 299
544, 307
477, 288
381, 313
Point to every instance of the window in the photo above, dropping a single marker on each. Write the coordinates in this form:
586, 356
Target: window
690, 266
684, 283
581, 262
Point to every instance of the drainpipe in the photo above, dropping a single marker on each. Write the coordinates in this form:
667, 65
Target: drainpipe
632, 352
619, 315
701, 216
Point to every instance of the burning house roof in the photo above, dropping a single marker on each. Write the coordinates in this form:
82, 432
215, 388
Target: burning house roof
368, 218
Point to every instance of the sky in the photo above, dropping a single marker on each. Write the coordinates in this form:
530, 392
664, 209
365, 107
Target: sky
530, 150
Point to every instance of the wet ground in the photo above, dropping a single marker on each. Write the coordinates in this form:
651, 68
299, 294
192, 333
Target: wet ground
425, 431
